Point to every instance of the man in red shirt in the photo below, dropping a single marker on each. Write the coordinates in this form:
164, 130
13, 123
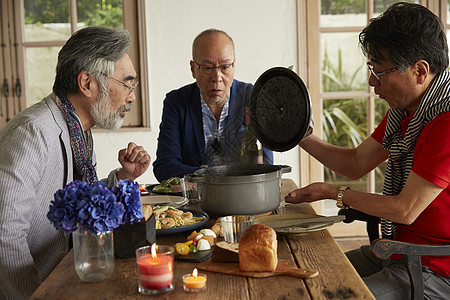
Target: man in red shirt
408, 57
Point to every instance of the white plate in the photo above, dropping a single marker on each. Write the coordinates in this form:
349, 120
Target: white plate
175, 201
300, 229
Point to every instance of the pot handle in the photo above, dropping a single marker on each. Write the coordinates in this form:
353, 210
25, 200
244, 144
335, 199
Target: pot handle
285, 169
194, 178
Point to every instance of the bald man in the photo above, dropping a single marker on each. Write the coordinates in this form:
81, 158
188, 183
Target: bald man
203, 123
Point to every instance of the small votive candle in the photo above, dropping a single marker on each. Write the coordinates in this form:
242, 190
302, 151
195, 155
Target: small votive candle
194, 282
155, 269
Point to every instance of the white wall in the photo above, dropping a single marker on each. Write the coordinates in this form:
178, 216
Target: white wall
264, 33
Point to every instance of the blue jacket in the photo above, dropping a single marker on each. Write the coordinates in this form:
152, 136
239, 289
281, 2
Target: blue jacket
181, 141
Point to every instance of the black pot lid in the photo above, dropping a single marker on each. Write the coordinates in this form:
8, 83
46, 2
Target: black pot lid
279, 109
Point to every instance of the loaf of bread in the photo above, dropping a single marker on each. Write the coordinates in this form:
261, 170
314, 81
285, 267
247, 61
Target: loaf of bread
225, 251
258, 249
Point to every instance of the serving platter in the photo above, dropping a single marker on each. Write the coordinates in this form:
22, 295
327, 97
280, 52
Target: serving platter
191, 227
298, 229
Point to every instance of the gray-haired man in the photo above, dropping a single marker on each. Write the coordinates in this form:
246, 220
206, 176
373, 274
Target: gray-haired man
50, 144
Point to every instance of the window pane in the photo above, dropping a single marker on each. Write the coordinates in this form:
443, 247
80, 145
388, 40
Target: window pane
343, 64
344, 124
343, 13
448, 12
381, 5
41, 65
46, 20
108, 13
381, 108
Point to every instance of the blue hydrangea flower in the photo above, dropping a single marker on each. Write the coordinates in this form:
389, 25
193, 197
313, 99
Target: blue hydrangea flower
95, 207
128, 193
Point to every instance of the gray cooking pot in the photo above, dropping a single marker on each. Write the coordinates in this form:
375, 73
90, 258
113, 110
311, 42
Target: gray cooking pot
239, 189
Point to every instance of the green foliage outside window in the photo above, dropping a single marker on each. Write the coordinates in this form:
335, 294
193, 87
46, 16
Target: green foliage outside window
345, 120
333, 7
101, 12
338, 7
112, 17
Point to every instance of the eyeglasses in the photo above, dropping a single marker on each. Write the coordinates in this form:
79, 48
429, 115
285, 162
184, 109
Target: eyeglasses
379, 74
130, 87
209, 69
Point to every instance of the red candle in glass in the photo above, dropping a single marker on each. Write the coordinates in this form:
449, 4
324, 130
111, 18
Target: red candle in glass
155, 269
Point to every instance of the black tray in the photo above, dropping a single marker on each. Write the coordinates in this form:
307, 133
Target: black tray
198, 256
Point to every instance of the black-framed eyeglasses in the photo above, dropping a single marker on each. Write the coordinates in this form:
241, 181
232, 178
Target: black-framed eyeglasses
209, 69
130, 87
379, 74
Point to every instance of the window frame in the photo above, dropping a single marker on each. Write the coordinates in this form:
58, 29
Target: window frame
15, 51
314, 76
310, 66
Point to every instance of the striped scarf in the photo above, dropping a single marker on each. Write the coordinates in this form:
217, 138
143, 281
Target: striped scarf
401, 149
81, 144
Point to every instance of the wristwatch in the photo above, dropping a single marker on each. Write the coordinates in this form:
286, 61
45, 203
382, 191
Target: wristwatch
340, 196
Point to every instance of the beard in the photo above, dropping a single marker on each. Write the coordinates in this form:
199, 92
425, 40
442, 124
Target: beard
103, 117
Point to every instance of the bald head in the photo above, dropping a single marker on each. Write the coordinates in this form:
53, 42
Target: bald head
205, 36
212, 65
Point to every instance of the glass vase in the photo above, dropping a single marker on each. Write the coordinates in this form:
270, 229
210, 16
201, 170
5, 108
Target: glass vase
93, 254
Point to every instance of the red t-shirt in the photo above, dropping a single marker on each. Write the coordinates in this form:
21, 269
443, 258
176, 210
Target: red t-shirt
431, 161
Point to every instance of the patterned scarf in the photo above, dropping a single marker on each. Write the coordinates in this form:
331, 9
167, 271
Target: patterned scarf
81, 144
401, 149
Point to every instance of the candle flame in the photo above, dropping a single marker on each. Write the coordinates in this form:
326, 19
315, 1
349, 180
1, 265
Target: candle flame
154, 249
194, 273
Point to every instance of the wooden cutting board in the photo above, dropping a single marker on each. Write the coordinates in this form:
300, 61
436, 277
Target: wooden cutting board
233, 269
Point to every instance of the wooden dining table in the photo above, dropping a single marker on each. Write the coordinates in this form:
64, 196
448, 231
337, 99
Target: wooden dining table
317, 250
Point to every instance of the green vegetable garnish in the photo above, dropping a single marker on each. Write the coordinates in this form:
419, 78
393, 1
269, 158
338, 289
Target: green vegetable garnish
164, 187
161, 189
192, 249
171, 181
